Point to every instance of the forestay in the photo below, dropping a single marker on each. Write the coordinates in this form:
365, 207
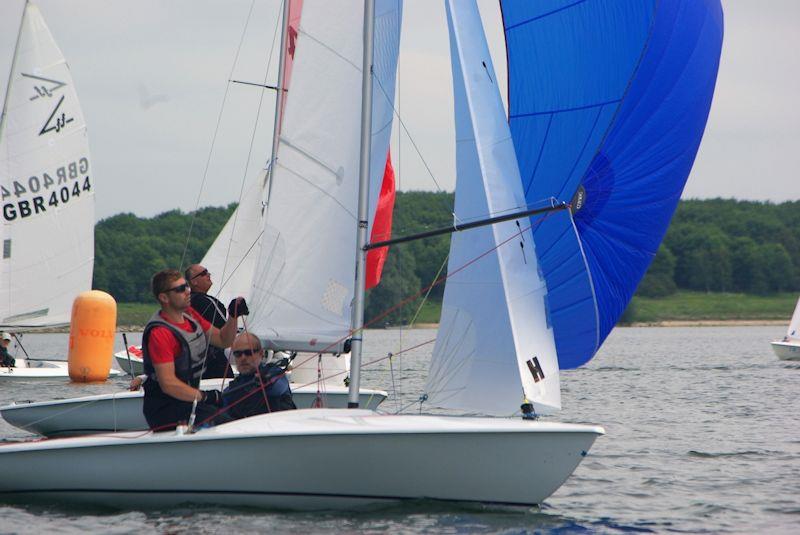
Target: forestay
494, 346
303, 284
46, 185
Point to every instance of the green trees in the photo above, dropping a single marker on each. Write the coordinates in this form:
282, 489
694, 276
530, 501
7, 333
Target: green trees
129, 249
712, 245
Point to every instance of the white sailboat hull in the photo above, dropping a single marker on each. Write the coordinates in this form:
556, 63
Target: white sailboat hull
133, 365
122, 411
292, 460
41, 369
787, 350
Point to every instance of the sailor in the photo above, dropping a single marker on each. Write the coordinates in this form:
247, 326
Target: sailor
174, 345
260, 387
213, 311
6, 360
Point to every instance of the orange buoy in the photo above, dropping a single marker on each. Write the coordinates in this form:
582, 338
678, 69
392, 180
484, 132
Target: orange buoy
91, 336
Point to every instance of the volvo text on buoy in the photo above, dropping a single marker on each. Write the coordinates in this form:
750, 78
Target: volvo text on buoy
91, 336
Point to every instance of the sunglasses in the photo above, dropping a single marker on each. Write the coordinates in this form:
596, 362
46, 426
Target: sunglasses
178, 289
201, 274
244, 352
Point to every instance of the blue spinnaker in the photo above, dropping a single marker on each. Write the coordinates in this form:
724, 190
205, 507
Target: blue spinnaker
608, 101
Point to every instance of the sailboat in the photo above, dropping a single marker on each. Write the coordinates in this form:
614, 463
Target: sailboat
46, 192
495, 355
788, 347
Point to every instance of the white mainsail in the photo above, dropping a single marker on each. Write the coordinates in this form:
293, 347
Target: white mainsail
494, 347
232, 257
303, 283
46, 185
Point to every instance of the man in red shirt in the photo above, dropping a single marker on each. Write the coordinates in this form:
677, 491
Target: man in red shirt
174, 344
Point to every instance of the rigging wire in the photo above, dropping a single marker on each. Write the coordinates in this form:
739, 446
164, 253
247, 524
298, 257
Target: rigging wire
216, 131
252, 142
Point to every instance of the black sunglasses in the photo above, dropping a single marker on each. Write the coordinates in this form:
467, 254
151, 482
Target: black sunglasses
178, 289
201, 274
244, 352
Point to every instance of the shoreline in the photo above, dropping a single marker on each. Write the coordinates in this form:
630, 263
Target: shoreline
662, 323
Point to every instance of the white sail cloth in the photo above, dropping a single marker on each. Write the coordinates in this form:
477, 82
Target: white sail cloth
494, 346
46, 186
303, 284
794, 326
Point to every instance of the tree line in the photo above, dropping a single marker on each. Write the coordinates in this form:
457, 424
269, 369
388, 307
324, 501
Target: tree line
715, 245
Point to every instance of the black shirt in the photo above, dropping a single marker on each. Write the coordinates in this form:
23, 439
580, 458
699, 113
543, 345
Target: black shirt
6, 360
213, 310
243, 396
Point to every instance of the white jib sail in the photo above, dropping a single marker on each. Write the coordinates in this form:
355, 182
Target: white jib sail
494, 347
232, 257
794, 326
46, 186
304, 280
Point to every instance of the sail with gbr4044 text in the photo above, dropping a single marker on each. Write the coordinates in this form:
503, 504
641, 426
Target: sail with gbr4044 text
47, 192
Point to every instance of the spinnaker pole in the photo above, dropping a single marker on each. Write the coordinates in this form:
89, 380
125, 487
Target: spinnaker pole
357, 321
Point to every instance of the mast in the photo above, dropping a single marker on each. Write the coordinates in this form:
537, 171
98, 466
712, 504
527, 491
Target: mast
276, 128
4, 111
363, 203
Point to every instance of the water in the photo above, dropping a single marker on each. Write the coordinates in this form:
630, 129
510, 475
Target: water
702, 427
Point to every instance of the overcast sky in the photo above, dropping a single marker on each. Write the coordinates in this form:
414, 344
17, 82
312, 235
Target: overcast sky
151, 76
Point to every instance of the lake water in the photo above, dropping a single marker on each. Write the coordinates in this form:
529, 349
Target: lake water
703, 435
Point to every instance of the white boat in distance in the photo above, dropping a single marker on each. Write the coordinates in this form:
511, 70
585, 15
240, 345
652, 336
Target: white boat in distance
788, 347
44, 370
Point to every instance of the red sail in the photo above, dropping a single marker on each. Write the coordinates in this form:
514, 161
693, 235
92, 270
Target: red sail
290, 42
381, 226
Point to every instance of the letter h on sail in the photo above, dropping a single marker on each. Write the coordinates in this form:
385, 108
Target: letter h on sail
535, 369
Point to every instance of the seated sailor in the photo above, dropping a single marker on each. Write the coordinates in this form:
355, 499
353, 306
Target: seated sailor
260, 387
6, 360
174, 345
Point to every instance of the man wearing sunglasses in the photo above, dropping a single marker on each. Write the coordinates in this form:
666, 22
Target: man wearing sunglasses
174, 345
260, 387
213, 311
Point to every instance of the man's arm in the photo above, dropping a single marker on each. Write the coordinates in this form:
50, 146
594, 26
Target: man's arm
223, 337
172, 386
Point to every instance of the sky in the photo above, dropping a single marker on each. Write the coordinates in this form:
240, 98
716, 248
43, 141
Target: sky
152, 76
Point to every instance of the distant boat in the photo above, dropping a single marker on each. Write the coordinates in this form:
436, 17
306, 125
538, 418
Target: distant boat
788, 348
47, 191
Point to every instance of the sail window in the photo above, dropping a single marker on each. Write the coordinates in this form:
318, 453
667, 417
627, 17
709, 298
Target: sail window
6, 248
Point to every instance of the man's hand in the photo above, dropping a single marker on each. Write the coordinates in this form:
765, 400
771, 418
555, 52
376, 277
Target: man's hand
213, 397
136, 382
238, 307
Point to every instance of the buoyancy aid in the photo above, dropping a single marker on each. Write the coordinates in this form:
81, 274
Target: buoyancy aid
241, 400
188, 363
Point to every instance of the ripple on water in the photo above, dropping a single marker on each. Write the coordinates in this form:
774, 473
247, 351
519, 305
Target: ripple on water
701, 437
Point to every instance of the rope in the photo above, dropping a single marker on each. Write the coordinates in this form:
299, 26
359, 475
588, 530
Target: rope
250, 148
214, 137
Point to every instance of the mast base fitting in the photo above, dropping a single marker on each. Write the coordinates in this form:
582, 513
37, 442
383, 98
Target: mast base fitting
351, 405
527, 411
